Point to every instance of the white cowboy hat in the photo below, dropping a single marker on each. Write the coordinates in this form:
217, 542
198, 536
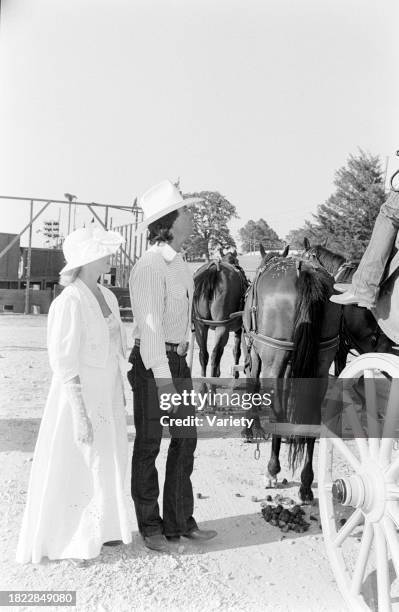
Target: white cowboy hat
88, 244
161, 200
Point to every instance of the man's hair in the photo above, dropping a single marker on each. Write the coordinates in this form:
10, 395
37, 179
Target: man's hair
159, 230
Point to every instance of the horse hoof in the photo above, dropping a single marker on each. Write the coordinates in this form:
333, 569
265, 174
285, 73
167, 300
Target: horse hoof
306, 497
271, 483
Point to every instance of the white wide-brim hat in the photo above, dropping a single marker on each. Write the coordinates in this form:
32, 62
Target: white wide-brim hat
87, 244
161, 200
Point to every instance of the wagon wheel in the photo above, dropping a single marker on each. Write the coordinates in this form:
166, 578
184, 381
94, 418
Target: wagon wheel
360, 477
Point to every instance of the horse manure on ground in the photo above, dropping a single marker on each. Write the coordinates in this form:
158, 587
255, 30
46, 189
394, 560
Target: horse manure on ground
286, 520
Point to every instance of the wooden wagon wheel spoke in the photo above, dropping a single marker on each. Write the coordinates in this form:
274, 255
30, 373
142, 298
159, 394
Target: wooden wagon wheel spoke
393, 492
360, 567
390, 423
393, 542
349, 527
358, 432
393, 511
393, 470
346, 453
383, 582
373, 426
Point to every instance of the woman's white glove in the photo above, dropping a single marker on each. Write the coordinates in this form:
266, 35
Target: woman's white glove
83, 428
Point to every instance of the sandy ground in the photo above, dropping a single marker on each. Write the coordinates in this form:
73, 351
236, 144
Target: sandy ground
250, 566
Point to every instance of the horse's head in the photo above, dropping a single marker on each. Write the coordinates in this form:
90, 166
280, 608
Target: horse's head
268, 255
319, 255
231, 259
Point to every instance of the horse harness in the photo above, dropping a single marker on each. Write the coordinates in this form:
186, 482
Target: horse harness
254, 336
244, 288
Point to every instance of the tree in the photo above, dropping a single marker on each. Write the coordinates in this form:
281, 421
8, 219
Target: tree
309, 230
347, 217
210, 222
255, 232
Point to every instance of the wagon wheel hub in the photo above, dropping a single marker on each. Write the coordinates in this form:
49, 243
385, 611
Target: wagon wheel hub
367, 490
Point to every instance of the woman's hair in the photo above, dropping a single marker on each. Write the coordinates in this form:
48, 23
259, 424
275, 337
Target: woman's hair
159, 230
68, 278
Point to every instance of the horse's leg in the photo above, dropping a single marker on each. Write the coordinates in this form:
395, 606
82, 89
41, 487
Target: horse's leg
273, 366
237, 349
307, 475
274, 467
254, 372
201, 334
221, 338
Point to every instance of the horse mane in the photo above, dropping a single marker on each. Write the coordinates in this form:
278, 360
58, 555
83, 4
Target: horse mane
313, 291
314, 288
330, 260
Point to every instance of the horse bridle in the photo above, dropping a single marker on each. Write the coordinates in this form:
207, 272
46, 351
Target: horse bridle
312, 254
285, 345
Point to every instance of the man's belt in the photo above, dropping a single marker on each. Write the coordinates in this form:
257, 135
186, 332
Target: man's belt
170, 346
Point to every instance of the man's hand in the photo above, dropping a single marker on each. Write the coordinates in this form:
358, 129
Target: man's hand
168, 389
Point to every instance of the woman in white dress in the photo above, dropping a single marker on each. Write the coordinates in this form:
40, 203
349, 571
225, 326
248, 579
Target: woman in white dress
76, 498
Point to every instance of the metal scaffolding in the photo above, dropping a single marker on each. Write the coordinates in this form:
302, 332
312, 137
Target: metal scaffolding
122, 261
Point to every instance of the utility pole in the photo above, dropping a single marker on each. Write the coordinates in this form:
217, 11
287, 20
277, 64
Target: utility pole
29, 261
70, 199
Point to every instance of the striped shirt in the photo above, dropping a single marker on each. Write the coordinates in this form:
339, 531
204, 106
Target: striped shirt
161, 292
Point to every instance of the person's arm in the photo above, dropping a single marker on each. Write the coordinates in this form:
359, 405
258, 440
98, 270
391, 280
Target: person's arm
64, 329
147, 294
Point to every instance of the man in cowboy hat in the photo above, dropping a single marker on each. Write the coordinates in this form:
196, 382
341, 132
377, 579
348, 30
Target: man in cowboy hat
161, 290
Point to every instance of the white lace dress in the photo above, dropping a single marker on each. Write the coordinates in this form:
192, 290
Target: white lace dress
76, 498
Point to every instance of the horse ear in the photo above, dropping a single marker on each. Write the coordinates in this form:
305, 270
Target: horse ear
325, 242
262, 250
221, 251
306, 244
286, 251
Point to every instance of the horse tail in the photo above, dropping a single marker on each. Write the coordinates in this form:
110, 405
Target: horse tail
313, 290
207, 282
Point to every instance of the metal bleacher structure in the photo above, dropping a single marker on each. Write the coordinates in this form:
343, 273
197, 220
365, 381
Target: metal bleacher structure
121, 263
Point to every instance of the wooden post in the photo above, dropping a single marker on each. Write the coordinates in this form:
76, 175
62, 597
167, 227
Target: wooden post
69, 217
29, 262
141, 245
130, 246
14, 240
124, 234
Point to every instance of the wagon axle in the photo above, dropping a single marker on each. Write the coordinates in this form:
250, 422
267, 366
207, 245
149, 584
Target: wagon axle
349, 491
366, 490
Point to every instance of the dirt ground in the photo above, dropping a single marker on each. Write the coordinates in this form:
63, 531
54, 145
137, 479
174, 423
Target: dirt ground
249, 566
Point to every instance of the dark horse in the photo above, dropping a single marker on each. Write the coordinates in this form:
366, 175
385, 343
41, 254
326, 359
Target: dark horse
219, 289
359, 329
292, 330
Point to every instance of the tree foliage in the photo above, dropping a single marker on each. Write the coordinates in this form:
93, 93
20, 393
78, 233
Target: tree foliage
210, 221
255, 232
309, 230
344, 222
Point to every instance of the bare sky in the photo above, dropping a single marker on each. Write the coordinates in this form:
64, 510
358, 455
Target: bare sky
260, 99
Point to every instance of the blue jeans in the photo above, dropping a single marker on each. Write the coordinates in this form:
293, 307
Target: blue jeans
367, 278
178, 499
